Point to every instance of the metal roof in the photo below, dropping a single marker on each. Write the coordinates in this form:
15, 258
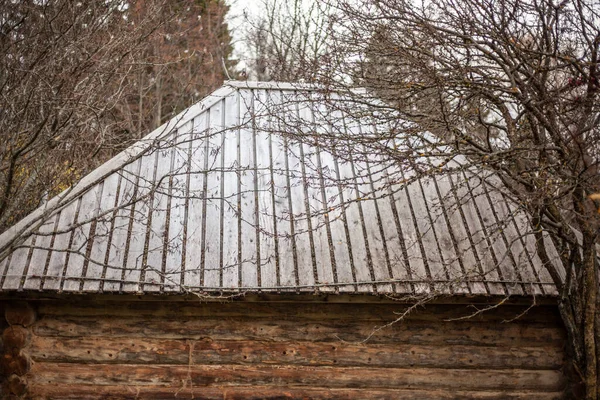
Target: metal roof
246, 191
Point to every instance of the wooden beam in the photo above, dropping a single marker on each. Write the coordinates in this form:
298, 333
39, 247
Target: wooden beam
213, 376
209, 351
132, 392
301, 311
284, 297
270, 329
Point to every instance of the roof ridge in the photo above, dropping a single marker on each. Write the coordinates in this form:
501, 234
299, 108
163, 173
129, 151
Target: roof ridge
295, 86
272, 85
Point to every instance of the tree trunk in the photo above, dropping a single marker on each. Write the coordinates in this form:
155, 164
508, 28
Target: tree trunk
590, 291
597, 345
140, 105
158, 115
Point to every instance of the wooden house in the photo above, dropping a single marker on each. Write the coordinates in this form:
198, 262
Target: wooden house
249, 249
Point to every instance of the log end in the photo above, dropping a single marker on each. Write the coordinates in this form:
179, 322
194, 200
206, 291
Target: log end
20, 313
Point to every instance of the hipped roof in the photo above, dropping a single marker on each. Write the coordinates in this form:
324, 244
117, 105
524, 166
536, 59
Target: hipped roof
236, 194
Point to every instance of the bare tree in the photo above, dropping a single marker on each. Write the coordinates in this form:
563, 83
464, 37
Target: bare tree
506, 90
512, 86
62, 71
79, 80
179, 65
286, 40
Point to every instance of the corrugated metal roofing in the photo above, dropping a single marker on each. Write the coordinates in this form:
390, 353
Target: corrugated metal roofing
247, 191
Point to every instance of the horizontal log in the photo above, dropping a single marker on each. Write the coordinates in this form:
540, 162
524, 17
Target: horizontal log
293, 311
208, 351
282, 297
332, 377
414, 332
127, 392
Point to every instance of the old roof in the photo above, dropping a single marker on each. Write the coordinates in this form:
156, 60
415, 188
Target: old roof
239, 193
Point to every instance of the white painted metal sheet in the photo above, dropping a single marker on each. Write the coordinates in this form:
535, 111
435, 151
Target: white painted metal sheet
257, 188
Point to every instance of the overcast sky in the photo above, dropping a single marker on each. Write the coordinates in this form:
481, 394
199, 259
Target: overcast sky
235, 22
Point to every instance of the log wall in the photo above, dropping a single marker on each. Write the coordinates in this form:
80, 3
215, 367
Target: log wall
278, 350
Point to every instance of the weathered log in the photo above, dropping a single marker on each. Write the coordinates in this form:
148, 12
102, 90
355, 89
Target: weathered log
131, 392
19, 313
413, 332
208, 351
288, 297
334, 377
298, 311
18, 364
253, 350
15, 337
16, 385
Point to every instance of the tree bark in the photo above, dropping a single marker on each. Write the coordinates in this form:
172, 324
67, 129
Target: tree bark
591, 291
597, 345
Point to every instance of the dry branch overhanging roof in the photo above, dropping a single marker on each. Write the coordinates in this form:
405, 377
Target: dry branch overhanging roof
241, 192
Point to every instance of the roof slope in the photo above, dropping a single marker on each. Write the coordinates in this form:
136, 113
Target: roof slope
238, 193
